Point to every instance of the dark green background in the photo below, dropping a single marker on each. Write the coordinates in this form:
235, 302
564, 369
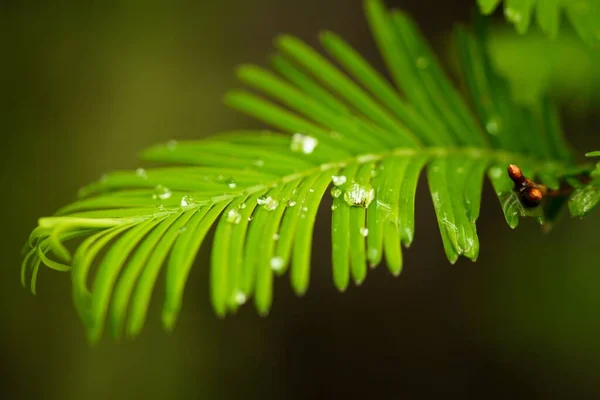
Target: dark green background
85, 86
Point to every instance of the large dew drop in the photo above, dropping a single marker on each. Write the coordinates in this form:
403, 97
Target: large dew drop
161, 192
303, 143
234, 216
359, 195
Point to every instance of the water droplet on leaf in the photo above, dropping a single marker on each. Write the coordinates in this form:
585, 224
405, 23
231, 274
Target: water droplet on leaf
172, 145
277, 263
240, 298
338, 180
161, 192
364, 232
234, 216
268, 202
187, 201
422, 62
141, 173
303, 143
336, 192
359, 195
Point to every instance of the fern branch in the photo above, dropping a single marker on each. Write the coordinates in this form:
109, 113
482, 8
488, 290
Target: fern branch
348, 130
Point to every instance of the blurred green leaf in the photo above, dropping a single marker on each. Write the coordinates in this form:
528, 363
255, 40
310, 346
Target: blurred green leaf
584, 15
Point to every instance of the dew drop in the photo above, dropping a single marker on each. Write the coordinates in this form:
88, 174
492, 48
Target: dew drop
372, 253
359, 195
161, 192
276, 236
303, 143
338, 180
141, 173
422, 62
277, 263
240, 298
258, 162
231, 184
311, 190
364, 232
334, 207
336, 192
305, 209
268, 202
512, 15
291, 203
492, 126
242, 206
234, 216
188, 201
172, 145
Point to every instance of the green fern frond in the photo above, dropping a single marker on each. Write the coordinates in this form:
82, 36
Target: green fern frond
346, 134
584, 15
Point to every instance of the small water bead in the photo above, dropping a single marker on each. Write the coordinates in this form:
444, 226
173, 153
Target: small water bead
250, 218
422, 62
262, 200
334, 207
336, 192
276, 236
182, 229
277, 263
512, 15
172, 145
268, 202
161, 192
240, 298
234, 216
242, 206
291, 203
364, 232
372, 253
311, 190
338, 180
492, 126
188, 201
358, 195
231, 184
258, 162
303, 143
305, 209
141, 173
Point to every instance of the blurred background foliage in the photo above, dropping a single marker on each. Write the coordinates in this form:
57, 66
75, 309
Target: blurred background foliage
87, 85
